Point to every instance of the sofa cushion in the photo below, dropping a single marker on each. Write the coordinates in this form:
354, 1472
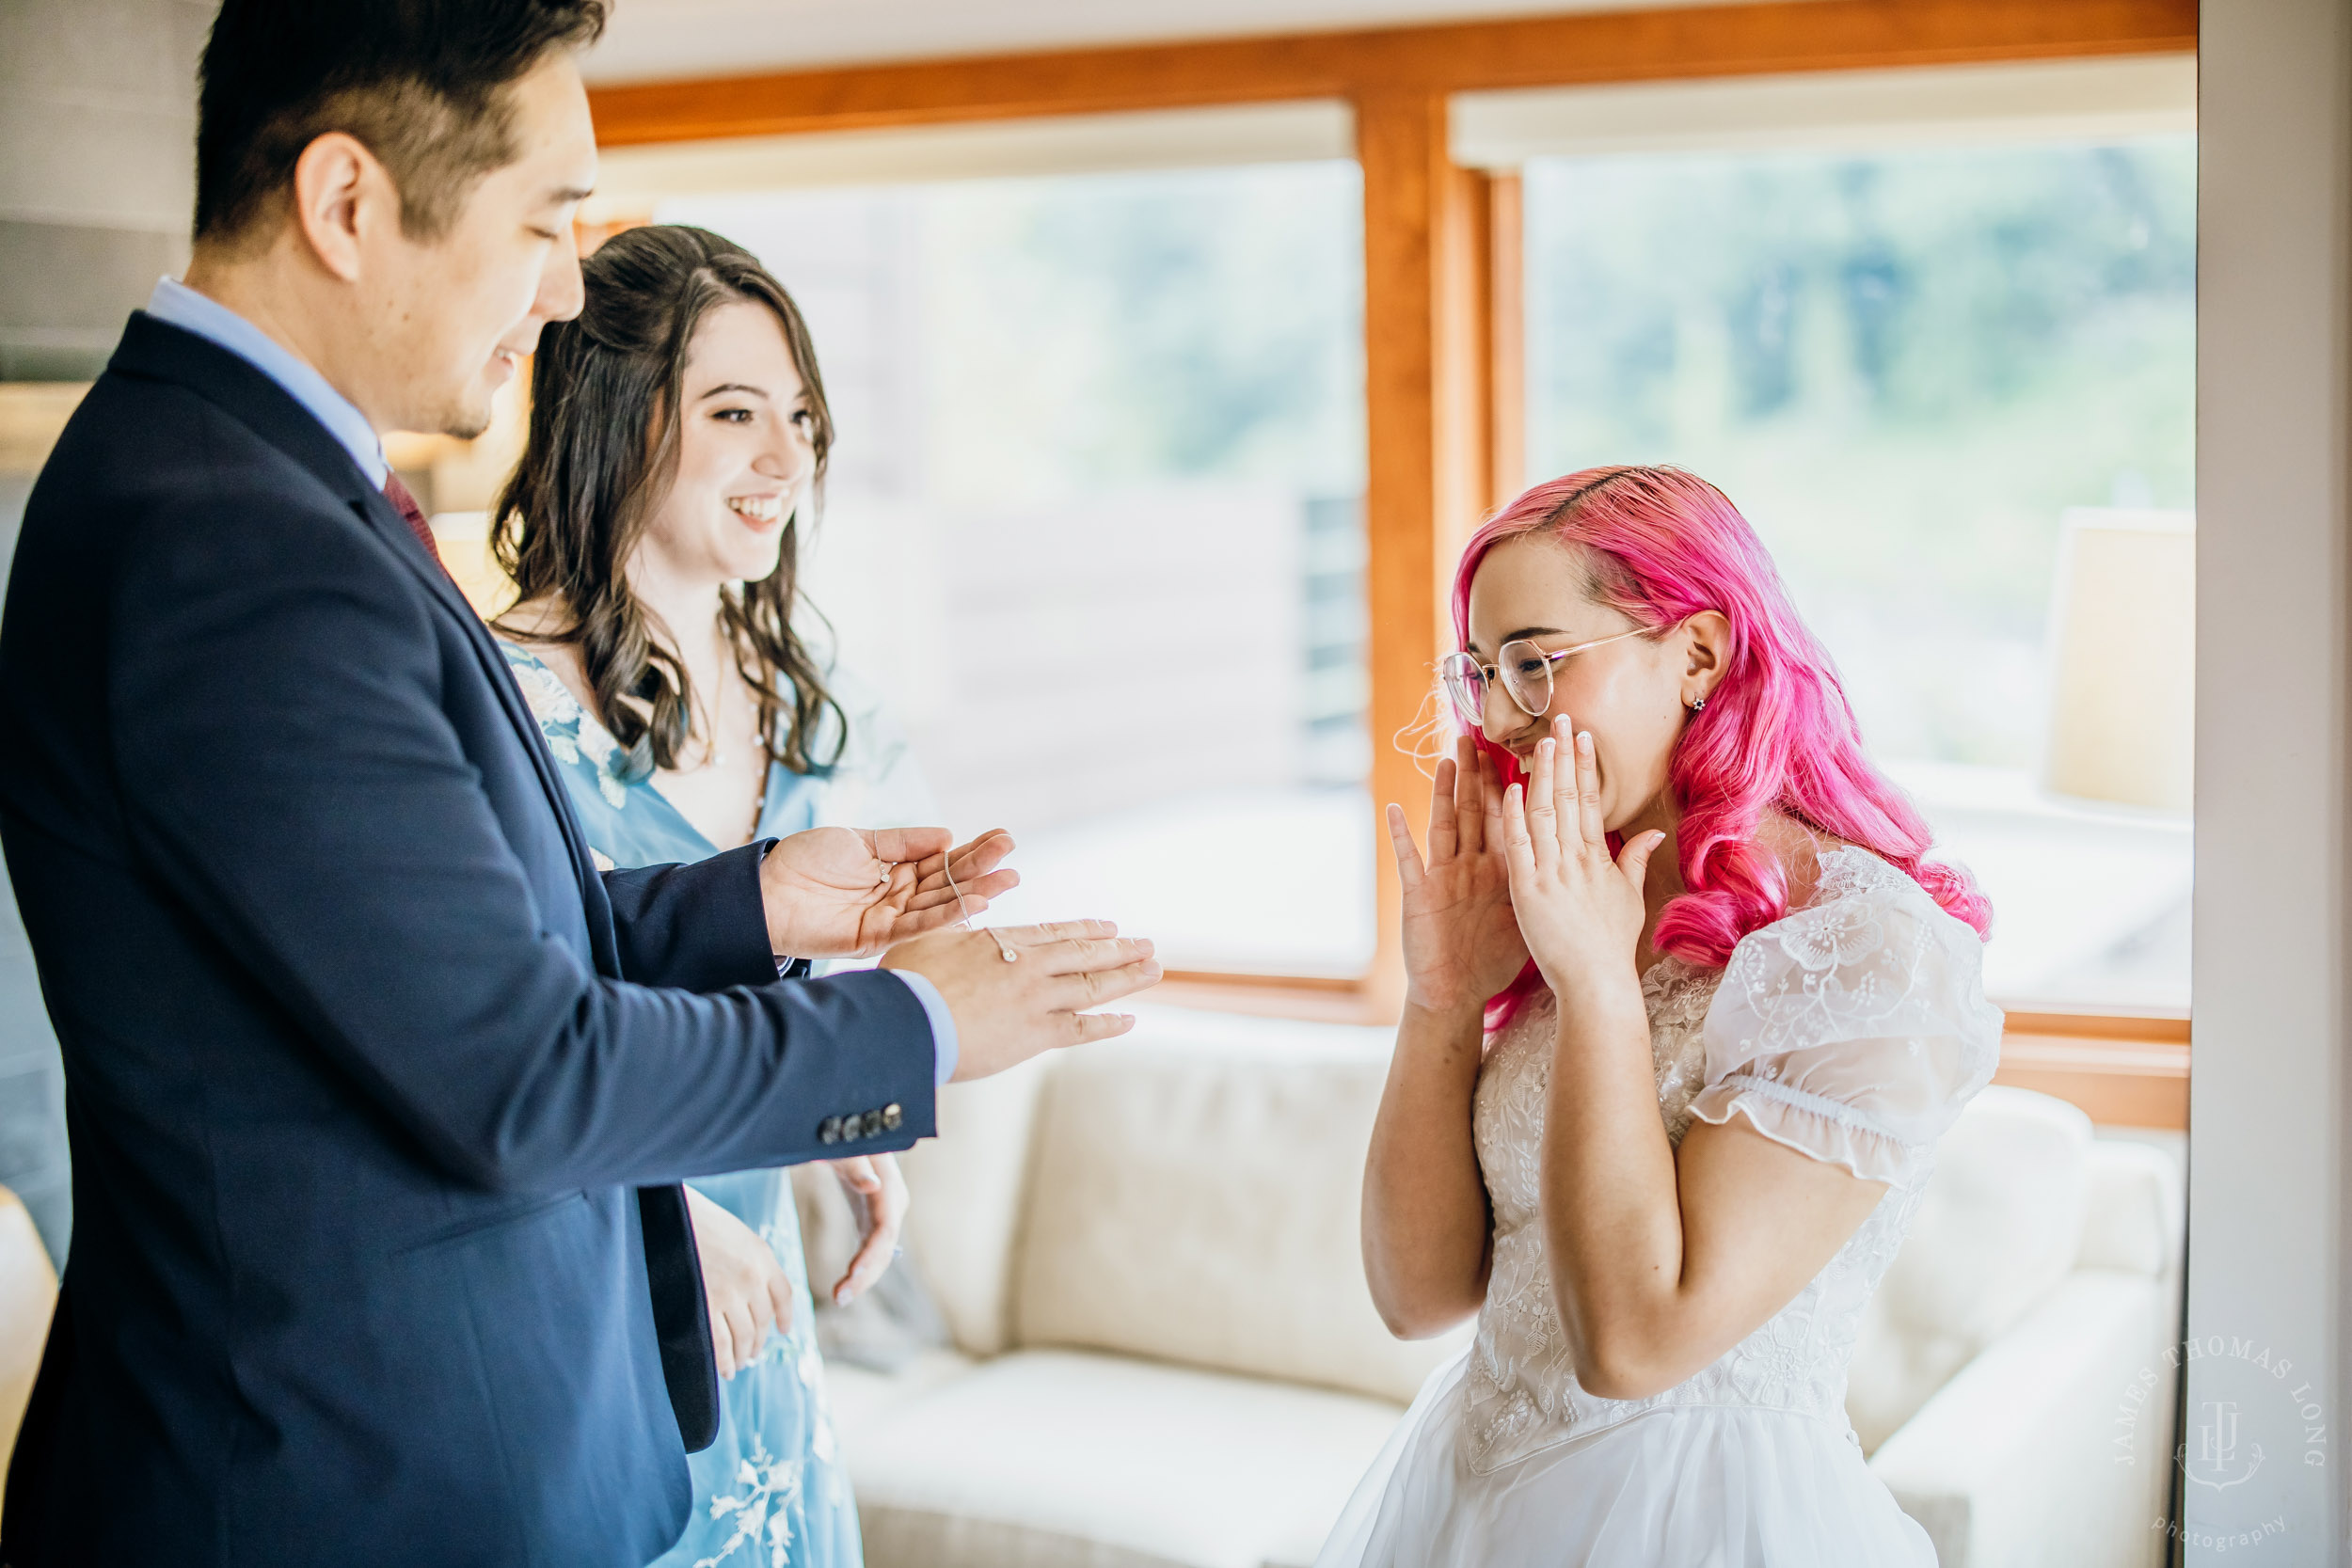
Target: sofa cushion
1998, 1228
1196, 1200
862, 1401
1059, 1459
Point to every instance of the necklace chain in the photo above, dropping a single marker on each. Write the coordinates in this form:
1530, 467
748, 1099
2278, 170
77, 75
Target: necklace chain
714, 749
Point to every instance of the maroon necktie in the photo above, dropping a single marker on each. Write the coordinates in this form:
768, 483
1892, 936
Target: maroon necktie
410, 512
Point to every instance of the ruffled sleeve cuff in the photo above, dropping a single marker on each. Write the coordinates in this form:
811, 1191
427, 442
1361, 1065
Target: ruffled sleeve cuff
1854, 1029
1816, 1125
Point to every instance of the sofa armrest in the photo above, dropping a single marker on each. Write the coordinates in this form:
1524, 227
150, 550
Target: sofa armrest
2131, 1208
2015, 1463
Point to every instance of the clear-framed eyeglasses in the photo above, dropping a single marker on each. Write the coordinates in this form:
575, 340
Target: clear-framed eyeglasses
1523, 669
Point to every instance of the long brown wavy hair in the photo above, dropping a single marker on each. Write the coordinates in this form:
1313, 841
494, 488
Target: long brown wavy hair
606, 391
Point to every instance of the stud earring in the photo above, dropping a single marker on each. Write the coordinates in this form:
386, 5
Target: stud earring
1697, 703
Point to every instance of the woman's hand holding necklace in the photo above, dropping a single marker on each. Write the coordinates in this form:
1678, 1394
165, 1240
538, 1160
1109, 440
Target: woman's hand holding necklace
835, 893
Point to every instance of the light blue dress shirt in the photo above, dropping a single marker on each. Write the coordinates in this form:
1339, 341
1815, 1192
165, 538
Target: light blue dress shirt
184, 307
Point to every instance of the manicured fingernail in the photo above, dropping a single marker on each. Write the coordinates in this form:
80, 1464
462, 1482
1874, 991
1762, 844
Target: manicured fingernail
1584, 741
1151, 970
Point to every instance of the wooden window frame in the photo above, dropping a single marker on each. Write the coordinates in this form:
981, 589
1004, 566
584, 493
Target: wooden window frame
1444, 318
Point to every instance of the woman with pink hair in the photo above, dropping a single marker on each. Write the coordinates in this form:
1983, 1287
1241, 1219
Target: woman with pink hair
1687, 1010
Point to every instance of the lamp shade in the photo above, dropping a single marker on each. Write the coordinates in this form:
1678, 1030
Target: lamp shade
2123, 660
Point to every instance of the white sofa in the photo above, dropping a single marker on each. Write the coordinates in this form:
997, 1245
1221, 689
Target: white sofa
1163, 1355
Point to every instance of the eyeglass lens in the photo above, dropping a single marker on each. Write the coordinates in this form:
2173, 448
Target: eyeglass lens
1525, 671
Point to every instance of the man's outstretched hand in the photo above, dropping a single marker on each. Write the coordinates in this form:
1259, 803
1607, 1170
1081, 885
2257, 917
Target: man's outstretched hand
847, 892
1006, 1013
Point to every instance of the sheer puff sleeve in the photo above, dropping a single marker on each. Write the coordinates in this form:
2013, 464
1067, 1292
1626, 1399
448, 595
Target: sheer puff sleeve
1854, 1029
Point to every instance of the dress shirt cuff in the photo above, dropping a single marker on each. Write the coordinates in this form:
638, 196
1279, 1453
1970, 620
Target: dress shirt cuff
942, 1023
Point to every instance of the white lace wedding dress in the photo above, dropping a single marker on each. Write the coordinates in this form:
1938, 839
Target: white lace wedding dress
1853, 1030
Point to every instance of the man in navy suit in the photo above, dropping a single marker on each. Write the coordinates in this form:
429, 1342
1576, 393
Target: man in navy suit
377, 1089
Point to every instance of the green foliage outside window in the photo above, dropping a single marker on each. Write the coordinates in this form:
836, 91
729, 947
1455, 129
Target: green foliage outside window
1902, 368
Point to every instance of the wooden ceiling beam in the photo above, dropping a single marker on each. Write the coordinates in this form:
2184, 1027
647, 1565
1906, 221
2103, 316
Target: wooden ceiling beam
1583, 47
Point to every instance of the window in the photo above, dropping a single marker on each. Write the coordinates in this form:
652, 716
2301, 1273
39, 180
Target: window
1094, 530
1905, 369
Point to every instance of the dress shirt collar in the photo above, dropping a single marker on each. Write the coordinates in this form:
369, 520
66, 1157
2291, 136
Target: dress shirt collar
184, 307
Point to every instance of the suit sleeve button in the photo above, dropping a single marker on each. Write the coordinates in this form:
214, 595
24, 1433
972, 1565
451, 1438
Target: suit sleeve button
893, 1118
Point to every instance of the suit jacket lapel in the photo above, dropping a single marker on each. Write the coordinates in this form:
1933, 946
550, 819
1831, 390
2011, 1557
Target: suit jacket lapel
159, 351
376, 509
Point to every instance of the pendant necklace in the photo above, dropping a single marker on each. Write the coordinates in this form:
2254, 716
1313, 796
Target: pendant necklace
1004, 948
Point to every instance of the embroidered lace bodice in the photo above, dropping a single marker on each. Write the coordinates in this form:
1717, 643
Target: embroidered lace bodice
1854, 1029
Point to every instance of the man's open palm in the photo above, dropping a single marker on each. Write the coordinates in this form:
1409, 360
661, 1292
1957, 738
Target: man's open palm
848, 893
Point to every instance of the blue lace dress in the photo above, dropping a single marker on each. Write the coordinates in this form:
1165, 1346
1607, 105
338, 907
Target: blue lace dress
770, 1492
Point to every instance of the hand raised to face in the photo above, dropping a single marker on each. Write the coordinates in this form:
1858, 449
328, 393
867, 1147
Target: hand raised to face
1461, 943
843, 892
1580, 911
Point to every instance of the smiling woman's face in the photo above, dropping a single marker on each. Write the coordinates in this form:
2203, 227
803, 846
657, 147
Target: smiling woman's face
747, 458
1630, 695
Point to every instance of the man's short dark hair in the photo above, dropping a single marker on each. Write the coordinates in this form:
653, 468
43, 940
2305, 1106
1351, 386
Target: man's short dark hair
423, 84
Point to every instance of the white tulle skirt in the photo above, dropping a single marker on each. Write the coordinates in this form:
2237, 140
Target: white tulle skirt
1701, 1487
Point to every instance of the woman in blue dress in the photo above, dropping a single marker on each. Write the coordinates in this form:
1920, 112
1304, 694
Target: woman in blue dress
678, 442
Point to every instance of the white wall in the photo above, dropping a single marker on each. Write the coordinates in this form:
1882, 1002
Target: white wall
97, 171
2268, 1099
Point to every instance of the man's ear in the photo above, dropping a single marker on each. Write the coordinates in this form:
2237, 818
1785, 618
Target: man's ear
1707, 642
342, 197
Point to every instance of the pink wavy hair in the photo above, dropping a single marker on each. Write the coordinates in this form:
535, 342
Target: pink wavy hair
1659, 545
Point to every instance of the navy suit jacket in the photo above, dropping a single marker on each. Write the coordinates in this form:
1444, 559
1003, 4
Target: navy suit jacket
365, 1062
